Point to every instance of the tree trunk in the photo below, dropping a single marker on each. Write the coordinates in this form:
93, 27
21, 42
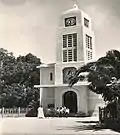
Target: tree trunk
118, 108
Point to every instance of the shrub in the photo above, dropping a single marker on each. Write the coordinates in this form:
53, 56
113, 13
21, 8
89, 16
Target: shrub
32, 113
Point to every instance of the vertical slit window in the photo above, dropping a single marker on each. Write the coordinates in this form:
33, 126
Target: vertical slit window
64, 41
70, 40
69, 55
75, 39
88, 42
89, 55
75, 54
64, 55
51, 76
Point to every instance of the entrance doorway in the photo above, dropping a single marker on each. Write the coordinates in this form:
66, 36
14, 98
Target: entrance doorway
70, 101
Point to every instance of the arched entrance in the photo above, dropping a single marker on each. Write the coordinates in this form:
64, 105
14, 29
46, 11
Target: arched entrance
70, 101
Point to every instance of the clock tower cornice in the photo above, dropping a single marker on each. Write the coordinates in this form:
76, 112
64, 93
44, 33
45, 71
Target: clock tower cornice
74, 9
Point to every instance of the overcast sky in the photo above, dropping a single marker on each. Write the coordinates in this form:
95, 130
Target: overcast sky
31, 25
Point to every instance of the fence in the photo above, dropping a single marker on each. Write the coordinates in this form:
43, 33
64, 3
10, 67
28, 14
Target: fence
13, 112
102, 114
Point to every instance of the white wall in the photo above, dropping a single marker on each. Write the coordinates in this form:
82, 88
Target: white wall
87, 101
68, 30
48, 97
45, 75
93, 100
82, 102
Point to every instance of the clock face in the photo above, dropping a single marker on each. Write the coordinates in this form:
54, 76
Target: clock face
71, 21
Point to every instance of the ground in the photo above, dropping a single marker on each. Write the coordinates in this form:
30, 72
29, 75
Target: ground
51, 126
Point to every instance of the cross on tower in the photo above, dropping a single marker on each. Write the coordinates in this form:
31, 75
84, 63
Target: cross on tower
75, 2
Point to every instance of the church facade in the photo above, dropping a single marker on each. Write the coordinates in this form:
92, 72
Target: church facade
75, 47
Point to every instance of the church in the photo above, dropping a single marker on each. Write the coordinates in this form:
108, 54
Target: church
75, 47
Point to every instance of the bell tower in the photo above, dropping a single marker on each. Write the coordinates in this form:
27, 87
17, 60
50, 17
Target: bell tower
75, 42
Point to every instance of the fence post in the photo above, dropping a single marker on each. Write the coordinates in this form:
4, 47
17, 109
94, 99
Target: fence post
18, 111
3, 111
105, 114
100, 115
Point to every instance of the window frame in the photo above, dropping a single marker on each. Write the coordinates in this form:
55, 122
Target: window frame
86, 22
70, 47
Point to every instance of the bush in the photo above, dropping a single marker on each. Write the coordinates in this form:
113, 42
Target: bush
32, 113
112, 109
50, 113
53, 113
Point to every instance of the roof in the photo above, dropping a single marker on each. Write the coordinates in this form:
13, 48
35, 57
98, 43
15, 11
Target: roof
74, 9
46, 65
61, 85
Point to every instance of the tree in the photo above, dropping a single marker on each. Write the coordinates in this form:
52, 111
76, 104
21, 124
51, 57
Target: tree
26, 70
104, 75
17, 79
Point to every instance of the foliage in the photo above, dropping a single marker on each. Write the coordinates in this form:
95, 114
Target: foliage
104, 75
17, 79
112, 109
32, 113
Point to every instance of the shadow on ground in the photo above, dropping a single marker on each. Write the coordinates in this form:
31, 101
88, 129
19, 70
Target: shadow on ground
84, 125
115, 128
87, 121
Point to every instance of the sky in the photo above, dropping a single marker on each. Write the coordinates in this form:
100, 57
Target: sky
30, 26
